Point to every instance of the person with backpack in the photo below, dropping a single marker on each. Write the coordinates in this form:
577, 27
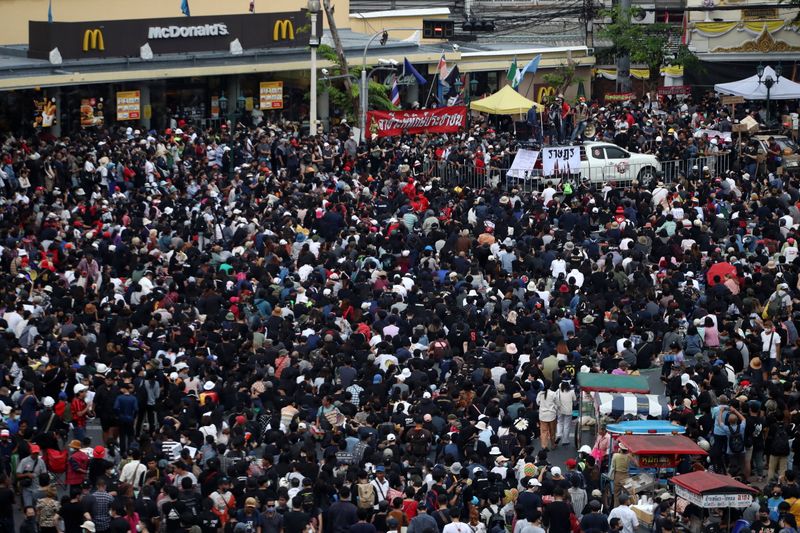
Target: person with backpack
734, 428
365, 492
777, 447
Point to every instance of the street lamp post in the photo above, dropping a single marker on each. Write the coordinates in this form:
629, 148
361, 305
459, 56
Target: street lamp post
313, 42
768, 81
364, 89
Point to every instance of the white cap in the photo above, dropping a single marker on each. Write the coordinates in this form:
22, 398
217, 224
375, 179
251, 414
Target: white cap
556, 471
79, 387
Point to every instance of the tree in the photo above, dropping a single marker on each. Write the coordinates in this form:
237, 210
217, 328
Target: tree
644, 43
562, 77
343, 93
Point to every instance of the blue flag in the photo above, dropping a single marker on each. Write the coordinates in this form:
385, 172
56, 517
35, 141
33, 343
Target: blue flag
408, 68
532, 66
185, 7
50, 12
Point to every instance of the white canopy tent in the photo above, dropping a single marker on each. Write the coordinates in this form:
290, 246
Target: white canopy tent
751, 89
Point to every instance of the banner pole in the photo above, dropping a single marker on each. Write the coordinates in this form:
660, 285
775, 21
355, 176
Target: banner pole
434, 82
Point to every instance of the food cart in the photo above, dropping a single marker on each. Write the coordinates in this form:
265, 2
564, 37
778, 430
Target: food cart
652, 455
708, 490
589, 383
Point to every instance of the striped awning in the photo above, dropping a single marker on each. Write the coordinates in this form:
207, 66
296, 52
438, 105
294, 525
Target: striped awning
617, 405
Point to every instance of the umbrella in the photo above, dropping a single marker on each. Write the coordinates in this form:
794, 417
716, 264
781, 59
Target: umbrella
721, 270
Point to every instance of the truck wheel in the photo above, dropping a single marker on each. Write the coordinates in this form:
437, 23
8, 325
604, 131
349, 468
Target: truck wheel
647, 177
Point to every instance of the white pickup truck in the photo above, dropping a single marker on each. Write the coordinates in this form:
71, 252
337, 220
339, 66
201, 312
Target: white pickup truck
602, 162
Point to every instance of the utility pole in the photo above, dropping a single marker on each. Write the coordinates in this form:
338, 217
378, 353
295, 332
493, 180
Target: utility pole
588, 21
624, 60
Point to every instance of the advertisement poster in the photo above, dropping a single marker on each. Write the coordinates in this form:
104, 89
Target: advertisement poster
215, 107
441, 120
129, 105
270, 95
92, 112
44, 114
561, 160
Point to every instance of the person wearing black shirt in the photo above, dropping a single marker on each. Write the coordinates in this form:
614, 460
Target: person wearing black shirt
118, 522
342, 514
362, 526
172, 509
208, 520
594, 521
295, 521
764, 524
556, 514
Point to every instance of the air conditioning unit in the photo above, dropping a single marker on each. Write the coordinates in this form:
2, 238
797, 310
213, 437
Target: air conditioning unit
644, 15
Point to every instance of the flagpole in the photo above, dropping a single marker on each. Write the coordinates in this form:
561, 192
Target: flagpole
433, 84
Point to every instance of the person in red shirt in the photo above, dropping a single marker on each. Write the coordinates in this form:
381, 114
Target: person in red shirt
77, 464
80, 410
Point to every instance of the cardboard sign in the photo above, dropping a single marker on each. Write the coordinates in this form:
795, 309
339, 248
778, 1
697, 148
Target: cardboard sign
730, 100
523, 163
619, 97
675, 90
561, 160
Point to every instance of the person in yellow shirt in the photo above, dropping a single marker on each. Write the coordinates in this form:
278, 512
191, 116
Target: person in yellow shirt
620, 465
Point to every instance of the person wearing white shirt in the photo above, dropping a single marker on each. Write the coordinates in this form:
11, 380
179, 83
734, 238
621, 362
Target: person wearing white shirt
12, 318
628, 518
381, 484
133, 472
558, 266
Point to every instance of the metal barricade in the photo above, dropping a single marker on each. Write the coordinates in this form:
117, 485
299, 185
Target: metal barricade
619, 175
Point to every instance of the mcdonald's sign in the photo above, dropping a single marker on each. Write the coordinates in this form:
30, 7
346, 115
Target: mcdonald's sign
545, 93
93, 40
170, 35
283, 30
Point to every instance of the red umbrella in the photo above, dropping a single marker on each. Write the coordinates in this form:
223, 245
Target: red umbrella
721, 270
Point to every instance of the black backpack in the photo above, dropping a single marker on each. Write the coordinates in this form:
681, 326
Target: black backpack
736, 441
780, 441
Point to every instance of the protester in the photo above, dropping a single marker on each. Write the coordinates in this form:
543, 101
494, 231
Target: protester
245, 328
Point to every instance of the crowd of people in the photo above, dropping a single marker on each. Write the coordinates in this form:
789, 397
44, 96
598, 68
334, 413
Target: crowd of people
250, 329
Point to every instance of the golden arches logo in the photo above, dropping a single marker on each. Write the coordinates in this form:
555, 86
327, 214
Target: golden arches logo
283, 29
544, 94
93, 40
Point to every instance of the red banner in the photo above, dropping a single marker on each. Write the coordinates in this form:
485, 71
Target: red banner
675, 89
441, 120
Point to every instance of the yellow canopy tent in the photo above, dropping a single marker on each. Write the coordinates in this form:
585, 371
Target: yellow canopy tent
506, 101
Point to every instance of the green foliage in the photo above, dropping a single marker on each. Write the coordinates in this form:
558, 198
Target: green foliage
337, 92
688, 60
561, 78
644, 43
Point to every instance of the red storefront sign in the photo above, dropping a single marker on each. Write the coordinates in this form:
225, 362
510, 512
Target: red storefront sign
675, 89
441, 120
